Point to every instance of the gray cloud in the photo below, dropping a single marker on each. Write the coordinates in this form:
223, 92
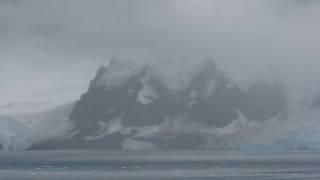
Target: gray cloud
49, 45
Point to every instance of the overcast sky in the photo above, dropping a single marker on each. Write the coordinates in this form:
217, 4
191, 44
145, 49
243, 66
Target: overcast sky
50, 49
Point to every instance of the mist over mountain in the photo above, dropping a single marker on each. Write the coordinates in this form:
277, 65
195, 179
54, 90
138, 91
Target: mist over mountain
263, 81
139, 106
55, 47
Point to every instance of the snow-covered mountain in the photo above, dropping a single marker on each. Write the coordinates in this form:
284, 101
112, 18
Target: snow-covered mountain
138, 106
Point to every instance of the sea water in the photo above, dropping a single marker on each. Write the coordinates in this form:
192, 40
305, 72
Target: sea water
144, 165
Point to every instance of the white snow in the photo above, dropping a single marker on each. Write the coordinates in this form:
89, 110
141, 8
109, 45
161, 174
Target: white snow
131, 144
113, 126
147, 131
13, 134
236, 126
147, 93
53, 124
69, 135
20, 131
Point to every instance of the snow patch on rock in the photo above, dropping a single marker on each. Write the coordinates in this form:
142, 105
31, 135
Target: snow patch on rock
105, 129
147, 94
132, 144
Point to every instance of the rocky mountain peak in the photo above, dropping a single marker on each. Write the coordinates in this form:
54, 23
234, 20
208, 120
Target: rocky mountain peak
133, 103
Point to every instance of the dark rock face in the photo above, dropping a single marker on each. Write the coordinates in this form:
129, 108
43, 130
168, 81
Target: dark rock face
218, 107
264, 101
186, 141
104, 117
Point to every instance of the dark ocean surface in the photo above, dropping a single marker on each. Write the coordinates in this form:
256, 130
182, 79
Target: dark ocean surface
174, 165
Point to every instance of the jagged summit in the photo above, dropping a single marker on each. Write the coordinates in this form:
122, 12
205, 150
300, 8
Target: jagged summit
130, 104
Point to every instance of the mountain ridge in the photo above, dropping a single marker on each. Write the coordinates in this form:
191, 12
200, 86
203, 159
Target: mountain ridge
122, 109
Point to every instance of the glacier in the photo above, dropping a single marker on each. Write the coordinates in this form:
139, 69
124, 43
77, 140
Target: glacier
13, 134
20, 131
